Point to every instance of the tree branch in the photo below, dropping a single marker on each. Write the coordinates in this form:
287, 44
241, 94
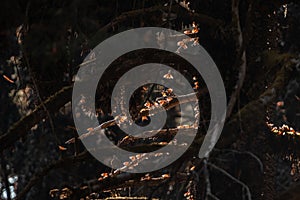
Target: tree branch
292, 193
255, 110
241, 60
56, 164
144, 112
21, 127
232, 178
200, 18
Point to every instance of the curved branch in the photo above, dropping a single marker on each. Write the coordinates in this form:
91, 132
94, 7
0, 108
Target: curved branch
241, 60
255, 110
201, 18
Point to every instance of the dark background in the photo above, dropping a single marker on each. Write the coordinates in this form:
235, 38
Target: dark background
42, 44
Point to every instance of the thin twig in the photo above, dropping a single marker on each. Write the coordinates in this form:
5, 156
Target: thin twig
169, 13
39, 96
20, 128
241, 59
207, 181
233, 178
201, 18
56, 164
144, 112
261, 166
206, 177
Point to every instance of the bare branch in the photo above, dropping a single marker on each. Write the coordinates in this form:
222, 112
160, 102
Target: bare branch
241, 46
201, 18
21, 127
56, 164
255, 109
144, 112
291, 193
206, 177
232, 178
245, 152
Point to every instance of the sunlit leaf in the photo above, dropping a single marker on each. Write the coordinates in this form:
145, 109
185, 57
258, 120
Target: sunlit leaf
8, 79
168, 99
148, 104
168, 75
144, 118
169, 90
165, 176
61, 148
105, 175
162, 102
132, 158
90, 129
145, 88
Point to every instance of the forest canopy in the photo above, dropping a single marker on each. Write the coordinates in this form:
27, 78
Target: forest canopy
255, 46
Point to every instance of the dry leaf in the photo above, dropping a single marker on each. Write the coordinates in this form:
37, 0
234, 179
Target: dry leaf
162, 102
168, 75
148, 104
182, 45
145, 88
280, 103
132, 158
8, 79
62, 148
169, 99
104, 175
90, 129
144, 118
165, 176
169, 90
